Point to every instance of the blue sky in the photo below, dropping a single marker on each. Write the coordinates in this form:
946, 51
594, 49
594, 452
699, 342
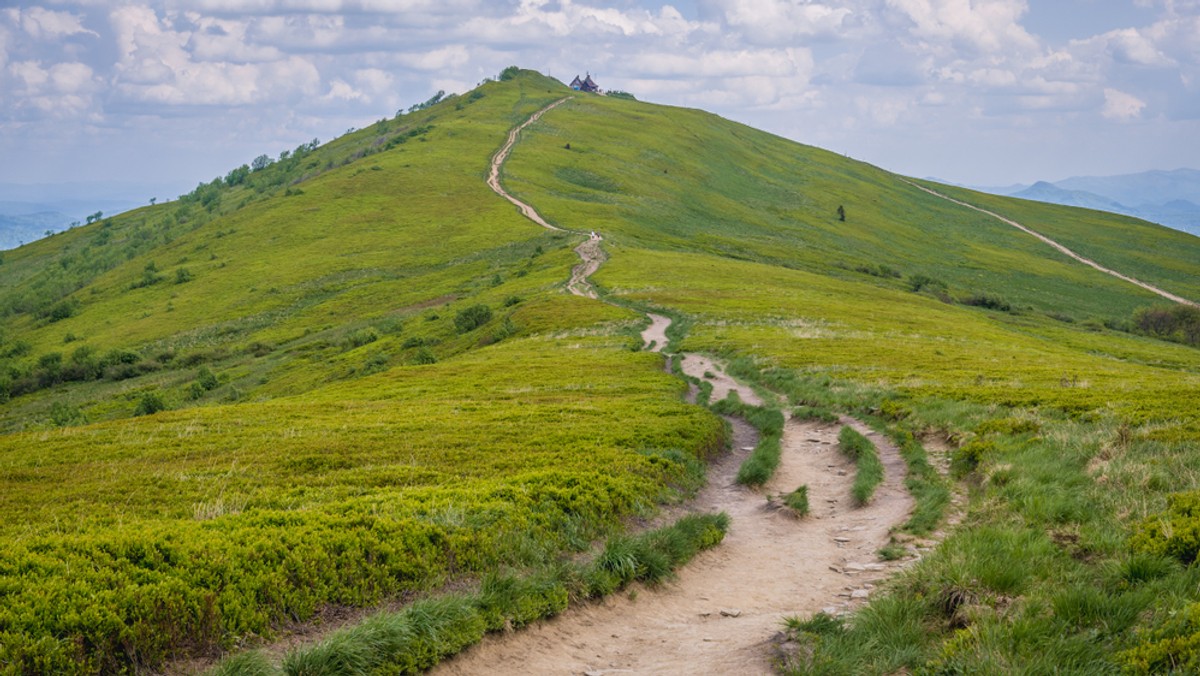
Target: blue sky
975, 91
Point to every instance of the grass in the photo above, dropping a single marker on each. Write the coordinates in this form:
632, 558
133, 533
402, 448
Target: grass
327, 468
868, 470
797, 501
419, 636
760, 465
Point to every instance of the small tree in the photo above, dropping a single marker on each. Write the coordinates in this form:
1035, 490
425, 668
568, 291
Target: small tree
841, 212
261, 162
509, 73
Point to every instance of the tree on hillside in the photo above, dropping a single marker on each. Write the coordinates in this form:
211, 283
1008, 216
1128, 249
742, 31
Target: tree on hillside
509, 73
261, 162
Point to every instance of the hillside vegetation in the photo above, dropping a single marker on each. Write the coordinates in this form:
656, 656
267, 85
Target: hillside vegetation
1075, 441
352, 376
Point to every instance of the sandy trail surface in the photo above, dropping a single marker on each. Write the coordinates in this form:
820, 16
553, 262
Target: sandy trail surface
493, 180
719, 615
1062, 249
591, 255
699, 366
654, 337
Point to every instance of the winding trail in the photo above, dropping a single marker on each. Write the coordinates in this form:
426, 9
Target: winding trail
1086, 261
720, 614
493, 180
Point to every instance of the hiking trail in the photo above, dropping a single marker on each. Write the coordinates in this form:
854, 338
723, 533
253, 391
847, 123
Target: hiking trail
720, 614
1062, 249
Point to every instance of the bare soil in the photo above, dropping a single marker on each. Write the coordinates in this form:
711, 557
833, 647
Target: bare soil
719, 615
493, 180
591, 255
654, 338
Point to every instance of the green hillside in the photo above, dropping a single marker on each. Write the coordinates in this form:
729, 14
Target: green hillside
354, 375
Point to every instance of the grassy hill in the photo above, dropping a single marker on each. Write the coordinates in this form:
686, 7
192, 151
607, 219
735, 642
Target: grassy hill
280, 392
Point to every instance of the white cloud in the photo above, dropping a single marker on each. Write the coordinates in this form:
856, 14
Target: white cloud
159, 64
448, 57
781, 21
1121, 106
41, 23
984, 26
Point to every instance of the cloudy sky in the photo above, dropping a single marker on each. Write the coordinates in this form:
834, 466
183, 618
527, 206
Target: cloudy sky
974, 91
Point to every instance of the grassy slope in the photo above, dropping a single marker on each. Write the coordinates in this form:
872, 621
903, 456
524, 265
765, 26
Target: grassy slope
660, 177
1076, 433
319, 472
731, 227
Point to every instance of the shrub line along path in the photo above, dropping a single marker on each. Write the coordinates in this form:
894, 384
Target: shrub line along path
720, 614
1062, 249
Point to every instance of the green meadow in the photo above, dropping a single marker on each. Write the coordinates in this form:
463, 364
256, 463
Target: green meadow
354, 377
1073, 438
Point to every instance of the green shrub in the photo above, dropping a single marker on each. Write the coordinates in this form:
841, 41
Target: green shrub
149, 404
1172, 647
424, 356
509, 73
988, 301
63, 414
921, 282
967, 458
471, 318
63, 309
361, 337
206, 379
1174, 532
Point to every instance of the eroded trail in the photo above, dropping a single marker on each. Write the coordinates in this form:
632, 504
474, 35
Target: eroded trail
493, 180
719, 615
1062, 249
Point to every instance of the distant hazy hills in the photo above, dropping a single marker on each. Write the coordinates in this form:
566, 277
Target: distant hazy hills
1171, 198
28, 211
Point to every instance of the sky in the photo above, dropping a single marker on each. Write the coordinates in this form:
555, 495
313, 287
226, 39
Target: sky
981, 92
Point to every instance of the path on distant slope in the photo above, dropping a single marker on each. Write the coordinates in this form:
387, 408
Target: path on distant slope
719, 615
1086, 261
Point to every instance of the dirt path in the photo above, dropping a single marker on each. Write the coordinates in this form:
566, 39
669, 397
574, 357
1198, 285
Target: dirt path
654, 338
493, 180
719, 615
1086, 261
591, 255
699, 366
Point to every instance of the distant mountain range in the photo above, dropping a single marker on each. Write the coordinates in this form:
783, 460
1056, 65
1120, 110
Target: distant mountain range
1170, 198
29, 211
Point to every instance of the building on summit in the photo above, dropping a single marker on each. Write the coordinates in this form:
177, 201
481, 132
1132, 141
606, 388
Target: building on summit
585, 85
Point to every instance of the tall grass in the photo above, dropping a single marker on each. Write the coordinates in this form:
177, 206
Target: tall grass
869, 470
762, 462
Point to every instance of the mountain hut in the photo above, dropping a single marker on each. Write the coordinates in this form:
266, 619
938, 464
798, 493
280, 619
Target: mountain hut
585, 85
